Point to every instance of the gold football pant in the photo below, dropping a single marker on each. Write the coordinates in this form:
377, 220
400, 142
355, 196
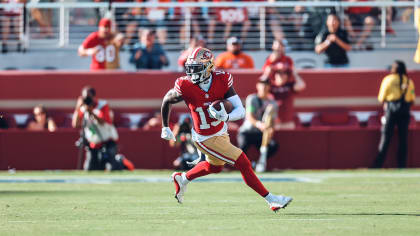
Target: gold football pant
219, 150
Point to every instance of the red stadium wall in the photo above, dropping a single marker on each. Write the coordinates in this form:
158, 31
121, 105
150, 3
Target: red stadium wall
356, 89
299, 149
305, 148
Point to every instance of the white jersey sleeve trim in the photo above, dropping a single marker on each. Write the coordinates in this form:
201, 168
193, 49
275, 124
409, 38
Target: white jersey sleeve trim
177, 88
230, 81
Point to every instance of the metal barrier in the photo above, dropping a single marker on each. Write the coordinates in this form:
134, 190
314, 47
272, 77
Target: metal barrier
65, 25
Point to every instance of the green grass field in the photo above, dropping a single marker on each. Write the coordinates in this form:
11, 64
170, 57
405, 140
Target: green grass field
361, 202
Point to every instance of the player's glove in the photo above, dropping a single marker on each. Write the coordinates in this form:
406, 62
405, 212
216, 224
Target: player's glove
219, 115
167, 134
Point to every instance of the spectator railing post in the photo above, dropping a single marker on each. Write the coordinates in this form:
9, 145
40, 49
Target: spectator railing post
66, 26
416, 6
187, 26
383, 26
262, 28
23, 26
62, 24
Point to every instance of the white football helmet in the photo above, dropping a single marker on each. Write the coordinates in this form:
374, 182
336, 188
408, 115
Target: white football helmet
199, 65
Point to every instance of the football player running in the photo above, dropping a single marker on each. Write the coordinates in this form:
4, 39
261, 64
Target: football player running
198, 90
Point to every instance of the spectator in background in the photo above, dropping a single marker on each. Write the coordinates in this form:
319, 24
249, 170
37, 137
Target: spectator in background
198, 15
285, 83
417, 24
228, 17
93, 116
334, 42
41, 120
10, 23
292, 19
277, 55
4, 124
103, 46
154, 19
397, 95
130, 19
154, 121
44, 19
148, 54
234, 58
258, 127
195, 42
360, 17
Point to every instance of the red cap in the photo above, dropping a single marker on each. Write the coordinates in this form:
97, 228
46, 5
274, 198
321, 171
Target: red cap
105, 22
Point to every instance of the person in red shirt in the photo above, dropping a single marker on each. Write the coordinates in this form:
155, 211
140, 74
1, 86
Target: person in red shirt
285, 83
199, 90
278, 55
103, 46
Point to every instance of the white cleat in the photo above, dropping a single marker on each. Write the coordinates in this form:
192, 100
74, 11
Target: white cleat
180, 186
260, 167
279, 202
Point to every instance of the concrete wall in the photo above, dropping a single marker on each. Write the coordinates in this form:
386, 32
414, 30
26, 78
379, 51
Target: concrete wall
69, 60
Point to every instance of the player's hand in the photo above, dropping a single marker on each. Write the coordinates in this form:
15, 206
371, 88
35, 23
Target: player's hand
92, 51
167, 134
332, 37
138, 54
79, 102
219, 115
260, 125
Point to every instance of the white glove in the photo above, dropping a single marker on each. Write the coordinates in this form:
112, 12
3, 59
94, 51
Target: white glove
219, 115
167, 134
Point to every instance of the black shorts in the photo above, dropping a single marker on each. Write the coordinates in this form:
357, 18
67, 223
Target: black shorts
248, 139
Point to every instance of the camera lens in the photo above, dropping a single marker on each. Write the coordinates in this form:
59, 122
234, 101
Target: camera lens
87, 100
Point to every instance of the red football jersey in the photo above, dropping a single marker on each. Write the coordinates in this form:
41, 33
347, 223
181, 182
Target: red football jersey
198, 101
107, 54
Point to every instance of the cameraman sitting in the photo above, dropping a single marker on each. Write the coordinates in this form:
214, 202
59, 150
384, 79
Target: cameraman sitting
93, 116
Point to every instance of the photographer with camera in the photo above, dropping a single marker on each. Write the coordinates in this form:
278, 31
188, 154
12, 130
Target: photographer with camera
98, 132
189, 155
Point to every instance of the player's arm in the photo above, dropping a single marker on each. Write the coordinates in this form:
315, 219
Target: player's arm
250, 114
76, 120
322, 43
238, 111
170, 98
300, 84
88, 47
84, 52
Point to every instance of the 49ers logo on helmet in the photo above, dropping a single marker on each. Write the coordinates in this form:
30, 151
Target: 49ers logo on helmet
207, 55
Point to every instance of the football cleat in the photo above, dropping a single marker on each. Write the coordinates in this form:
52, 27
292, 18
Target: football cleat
260, 167
180, 186
279, 202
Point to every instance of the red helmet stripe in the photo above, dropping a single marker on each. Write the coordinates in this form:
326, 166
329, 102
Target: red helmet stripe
195, 52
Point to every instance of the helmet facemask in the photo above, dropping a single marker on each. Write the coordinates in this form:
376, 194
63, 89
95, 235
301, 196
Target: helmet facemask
197, 72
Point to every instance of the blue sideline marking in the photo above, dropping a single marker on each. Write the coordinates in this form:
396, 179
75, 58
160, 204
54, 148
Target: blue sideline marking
141, 180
